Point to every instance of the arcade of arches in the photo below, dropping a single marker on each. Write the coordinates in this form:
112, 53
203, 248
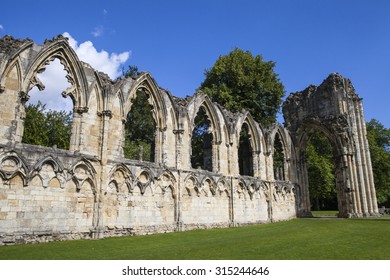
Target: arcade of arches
243, 174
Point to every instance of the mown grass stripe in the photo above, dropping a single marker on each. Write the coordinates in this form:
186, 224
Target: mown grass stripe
305, 239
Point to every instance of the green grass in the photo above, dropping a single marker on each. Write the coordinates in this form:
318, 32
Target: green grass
300, 239
325, 213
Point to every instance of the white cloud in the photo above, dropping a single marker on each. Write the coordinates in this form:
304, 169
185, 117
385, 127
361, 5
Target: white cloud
99, 30
1, 27
100, 60
55, 83
54, 76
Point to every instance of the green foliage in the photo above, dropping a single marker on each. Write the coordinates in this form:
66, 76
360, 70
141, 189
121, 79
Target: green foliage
47, 127
201, 141
140, 129
300, 239
241, 81
131, 72
379, 140
320, 167
278, 156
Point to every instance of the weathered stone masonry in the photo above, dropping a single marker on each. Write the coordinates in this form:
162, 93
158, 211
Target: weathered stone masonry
92, 191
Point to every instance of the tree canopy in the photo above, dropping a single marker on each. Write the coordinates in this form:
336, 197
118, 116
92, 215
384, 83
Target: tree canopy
320, 167
140, 129
240, 80
47, 127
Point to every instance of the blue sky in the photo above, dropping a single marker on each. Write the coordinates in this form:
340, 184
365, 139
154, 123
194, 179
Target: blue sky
177, 40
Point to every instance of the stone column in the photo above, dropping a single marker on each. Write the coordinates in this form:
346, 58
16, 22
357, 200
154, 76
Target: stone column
103, 180
179, 145
304, 199
215, 162
358, 159
161, 149
373, 204
256, 163
77, 130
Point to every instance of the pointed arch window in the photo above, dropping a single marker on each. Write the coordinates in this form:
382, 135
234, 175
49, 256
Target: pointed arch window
278, 159
140, 129
49, 116
245, 152
201, 142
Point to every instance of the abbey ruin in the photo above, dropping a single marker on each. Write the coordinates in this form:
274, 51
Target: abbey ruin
93, 191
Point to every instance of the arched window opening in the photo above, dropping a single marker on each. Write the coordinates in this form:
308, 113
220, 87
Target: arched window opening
321, 172
201, 142
49, 117
278, 159
245, 155
140, 130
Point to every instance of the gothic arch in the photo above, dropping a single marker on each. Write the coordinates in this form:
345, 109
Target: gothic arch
211, 183
58, 170
10, 93
60, 49
223, 185
15, 63
191, 183
121, 176
285, 140
83, 171
54, 162
250, 159
255, 130
202, 100
165, 180
13, 57
147, 83
336, 110
143, 180
12, 165
98, 88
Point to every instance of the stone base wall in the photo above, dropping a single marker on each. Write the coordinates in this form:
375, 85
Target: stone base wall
41, 237
47, 196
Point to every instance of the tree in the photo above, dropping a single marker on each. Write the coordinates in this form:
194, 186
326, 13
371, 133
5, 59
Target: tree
47, 127
241, 81
379, 141
131, 72
201, 142
320, 168
140, 130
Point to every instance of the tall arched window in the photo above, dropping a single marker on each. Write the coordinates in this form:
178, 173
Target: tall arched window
140, 130
49, 116
321, 172
278, 159
201, 142
245, 155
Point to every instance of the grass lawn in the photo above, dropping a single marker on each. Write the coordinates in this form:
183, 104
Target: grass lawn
325, 213
300, 239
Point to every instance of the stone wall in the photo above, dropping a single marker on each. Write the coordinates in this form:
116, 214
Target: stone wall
92, 191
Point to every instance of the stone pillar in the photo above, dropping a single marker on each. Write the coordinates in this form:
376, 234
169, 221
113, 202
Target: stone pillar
179, 145
349, 180
214, 156
103, 175
256, 163
76, 142
304, 197
373, 204
358, 157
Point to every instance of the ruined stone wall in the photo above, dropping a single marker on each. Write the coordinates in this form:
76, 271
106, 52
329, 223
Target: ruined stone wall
92, 191
335, 109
